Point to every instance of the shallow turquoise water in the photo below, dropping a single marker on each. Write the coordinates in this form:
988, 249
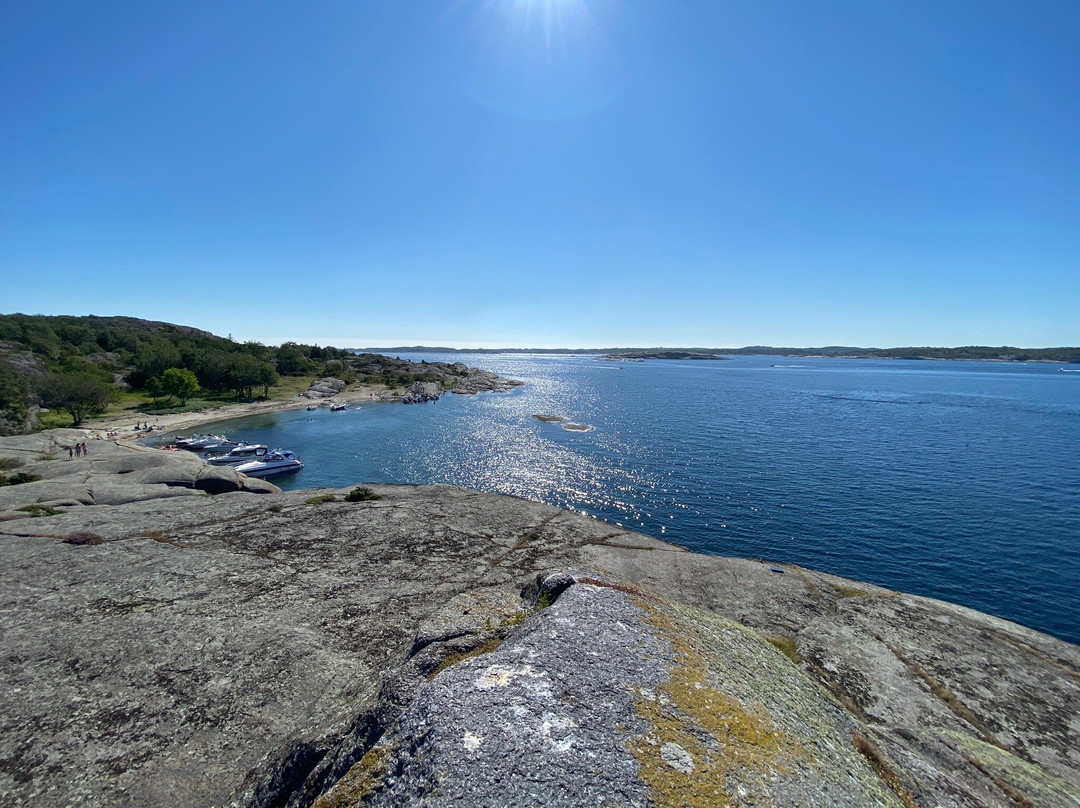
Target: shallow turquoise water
958, 480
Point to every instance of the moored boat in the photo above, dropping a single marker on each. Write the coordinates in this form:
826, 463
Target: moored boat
244, 453
278, 461
198, 443
217, 447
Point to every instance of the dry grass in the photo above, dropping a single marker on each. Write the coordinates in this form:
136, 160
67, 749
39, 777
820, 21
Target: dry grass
456, 658
886, 772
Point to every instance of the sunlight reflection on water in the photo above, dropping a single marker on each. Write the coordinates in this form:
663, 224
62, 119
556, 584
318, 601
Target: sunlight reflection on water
956, 480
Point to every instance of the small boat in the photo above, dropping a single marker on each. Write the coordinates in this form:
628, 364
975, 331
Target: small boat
278, 461
243, 453
311, 407
219, 446
337, 407
198, 443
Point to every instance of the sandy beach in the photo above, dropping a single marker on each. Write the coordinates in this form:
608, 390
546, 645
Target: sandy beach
171, 422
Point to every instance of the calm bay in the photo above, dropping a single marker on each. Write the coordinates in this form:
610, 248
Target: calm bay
956, 480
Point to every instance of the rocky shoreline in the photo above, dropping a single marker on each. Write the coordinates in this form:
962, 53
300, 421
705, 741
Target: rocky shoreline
433, 646
456, 378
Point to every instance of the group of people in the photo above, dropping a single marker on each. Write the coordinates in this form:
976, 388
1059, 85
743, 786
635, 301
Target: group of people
145, 427
79, 450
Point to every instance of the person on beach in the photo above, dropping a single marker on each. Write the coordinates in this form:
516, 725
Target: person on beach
71, 453
85, 449
78, 450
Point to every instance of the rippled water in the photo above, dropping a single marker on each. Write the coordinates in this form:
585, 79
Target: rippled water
958, 480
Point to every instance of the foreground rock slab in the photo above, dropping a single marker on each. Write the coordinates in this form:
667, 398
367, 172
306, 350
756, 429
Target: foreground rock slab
438, 646
110, 473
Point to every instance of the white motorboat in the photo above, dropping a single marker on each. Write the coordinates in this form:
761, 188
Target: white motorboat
198, 443
278, 461
219, 446
243, 453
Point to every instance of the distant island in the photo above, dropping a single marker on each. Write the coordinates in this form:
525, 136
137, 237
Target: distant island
1003, 353
661, 354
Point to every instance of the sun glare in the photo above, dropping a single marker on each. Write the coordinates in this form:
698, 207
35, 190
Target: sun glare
542, 59
552, 17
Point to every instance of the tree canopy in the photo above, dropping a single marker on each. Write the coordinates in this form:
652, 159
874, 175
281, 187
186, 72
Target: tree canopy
80, 394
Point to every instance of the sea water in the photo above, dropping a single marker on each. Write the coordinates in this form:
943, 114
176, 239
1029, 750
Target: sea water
957, 480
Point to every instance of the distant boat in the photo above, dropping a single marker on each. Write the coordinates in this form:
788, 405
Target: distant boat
337, 407
1067, 370
278, 461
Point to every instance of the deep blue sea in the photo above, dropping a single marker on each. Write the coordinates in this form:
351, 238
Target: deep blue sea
957, 480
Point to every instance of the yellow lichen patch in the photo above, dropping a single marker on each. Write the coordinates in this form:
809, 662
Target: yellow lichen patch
359, 781
1024, 783
700, 737
450, 660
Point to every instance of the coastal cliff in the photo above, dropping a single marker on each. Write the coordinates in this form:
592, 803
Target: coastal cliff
436, 646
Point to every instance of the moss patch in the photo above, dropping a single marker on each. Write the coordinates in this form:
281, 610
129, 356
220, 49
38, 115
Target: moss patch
456, 658
18, 478
40, 510
699, 736
786, 646
1025, 784
319, 500
359, 782
361, 494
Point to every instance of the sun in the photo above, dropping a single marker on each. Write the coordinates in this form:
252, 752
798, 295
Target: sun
541, 59
555, 18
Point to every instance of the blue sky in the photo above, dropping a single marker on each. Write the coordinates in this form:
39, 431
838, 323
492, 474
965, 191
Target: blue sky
548, 172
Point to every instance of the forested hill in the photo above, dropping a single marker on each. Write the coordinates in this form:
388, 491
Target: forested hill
81, 364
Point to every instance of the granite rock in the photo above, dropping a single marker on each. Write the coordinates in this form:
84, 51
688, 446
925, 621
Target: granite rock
440, 646
324, 388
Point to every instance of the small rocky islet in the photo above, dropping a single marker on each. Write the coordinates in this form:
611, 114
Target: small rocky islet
172, 638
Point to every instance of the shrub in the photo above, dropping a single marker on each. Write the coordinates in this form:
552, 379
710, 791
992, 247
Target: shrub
37, 509
18, 479
361, 494
87, 539
319, 500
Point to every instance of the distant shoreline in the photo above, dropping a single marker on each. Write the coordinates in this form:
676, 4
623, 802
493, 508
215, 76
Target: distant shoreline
975, 353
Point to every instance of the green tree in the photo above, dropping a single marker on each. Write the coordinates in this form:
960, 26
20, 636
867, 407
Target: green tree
267, 376
153, 359
292, 360
243, 374
13, 404
179, 382
154, 388
80, 394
